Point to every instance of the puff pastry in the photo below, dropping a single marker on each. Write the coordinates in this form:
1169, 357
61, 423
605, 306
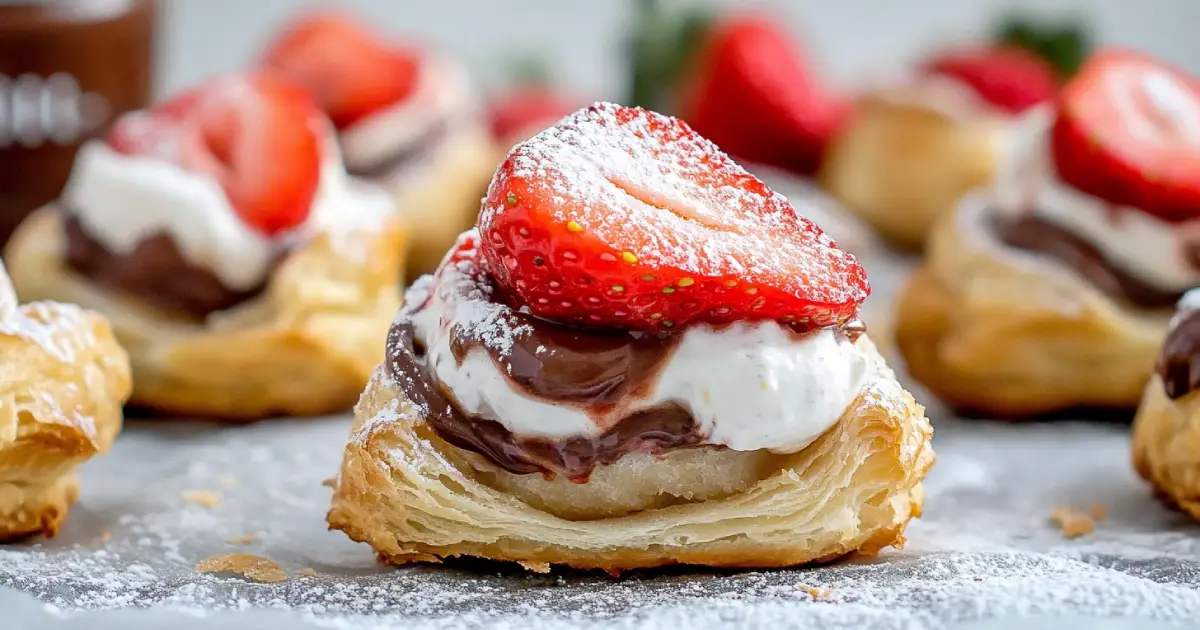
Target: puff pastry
901, 164
65, 379
303, 347
1166, 446
415, 497
1005, 333
441, 199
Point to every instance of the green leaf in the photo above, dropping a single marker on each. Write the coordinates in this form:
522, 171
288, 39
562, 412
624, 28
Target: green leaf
1065, 45
662, 45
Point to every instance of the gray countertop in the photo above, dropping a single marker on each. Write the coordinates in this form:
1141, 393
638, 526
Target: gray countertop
984, 555
985, 550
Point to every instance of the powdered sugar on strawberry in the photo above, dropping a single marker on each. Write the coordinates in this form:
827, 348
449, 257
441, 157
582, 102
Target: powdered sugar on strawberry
637, 187
749, 385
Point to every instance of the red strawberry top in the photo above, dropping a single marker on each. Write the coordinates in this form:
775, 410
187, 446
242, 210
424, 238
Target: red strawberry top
526, 109
350, 71
1128, 131
1010, 78
621, 217
753, 94
258, 137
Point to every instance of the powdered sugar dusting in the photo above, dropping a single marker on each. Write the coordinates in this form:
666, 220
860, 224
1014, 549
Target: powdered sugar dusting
58, 329
467, 296
609, 168
984, 549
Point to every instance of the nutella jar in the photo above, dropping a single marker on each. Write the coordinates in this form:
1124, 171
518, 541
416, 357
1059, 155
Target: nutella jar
67, 67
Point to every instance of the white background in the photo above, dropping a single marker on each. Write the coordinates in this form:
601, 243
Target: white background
848, 38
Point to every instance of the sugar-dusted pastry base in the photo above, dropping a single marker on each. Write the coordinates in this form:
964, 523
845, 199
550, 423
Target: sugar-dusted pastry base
65, 379
902, 165
1166, 446
415, 498
1004, 333
305, 346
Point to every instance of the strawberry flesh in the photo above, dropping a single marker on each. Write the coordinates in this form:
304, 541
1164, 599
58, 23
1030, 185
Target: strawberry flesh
256, 136
526, 109
1012, 79
755, 98
349, 71
1128, 132
624, 218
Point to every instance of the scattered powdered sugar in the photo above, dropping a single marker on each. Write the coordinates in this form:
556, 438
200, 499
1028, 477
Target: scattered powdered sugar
985, 548
691, 207
465, 299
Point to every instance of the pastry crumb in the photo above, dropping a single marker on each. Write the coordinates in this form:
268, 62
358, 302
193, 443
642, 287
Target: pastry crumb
330, 482
814, 592
1099, 511
254, 567
106, 536
244, 539
536, 567
305, 573
207, 498
228, 481
1071, 522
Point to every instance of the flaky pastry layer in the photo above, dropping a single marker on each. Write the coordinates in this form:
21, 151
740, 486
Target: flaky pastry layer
415, 498
64, 381
901, 165
1166, 446
305, 346
999, 332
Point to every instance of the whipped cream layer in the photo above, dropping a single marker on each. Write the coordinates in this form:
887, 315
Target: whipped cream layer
443, 98
122, 200
749, 386
1144, 246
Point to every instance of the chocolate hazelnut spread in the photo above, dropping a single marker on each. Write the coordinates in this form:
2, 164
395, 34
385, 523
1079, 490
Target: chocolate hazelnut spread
154, 272
1179, 360
649, 430
67, 67
1037, 235
593, 369
405, 155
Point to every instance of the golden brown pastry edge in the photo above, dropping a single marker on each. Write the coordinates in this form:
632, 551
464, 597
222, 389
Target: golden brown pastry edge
372, 495
304, 347
1012, 337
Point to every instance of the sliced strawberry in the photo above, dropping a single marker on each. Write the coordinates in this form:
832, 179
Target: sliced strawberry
1013, 79
255, 135
349, 71
515, 115
1128, 132
754, 97
626, 218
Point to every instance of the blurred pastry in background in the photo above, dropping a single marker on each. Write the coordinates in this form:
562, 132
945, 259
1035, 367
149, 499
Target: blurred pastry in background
245, 272
407, 118
65, 381
1166, 431
1053, 290
910, 151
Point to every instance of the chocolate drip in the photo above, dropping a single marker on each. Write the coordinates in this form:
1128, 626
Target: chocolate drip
405, 155
593, 369
649, 430
1179, 360
155, 272
1034, 234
